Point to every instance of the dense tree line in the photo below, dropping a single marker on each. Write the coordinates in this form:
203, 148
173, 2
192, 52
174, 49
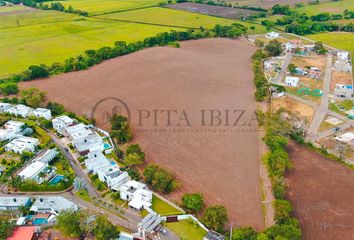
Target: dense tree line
6, 229
259, 79
277, 160
302, 24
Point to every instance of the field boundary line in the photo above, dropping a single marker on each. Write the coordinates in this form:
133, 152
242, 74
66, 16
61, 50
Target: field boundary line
120, 11
145, 23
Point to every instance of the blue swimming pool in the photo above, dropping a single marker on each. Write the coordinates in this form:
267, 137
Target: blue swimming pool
56, 179
39, 221
106, 146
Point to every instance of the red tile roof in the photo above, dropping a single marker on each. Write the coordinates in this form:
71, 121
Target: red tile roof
22, 233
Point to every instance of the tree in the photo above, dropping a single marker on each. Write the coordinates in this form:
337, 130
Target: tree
282, 211
215, 217
25, 156
274, 48
69, 223
120, 128
244, 233
9, 88
292, 68
133, 159
286, 231
56, 108
37, 72
15, 182
33, 97
135, 148
104, 229
319, 48
259, 43
192, 202
159, 178
6, 229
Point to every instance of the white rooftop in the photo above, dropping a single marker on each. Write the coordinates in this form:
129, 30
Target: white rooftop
15, 201
33, 169
52, 203
78, 131
13, 125
65, 119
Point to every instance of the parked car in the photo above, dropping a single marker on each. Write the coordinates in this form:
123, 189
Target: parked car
335, 129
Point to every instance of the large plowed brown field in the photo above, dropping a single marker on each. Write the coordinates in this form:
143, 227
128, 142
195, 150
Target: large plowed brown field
322, 193
220, 161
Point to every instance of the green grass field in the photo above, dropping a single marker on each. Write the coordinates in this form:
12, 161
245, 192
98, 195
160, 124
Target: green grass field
331, 7
163, 208
94, 7
7, 9
341, 40
33, 38
187, 230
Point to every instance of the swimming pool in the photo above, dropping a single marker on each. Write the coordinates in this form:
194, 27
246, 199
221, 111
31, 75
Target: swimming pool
39, 221
106, 146
56, 179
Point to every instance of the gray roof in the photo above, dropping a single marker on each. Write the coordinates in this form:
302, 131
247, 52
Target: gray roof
212, 235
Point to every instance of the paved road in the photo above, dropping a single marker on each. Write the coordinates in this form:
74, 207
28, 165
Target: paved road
322, 110
284, 68
75, 165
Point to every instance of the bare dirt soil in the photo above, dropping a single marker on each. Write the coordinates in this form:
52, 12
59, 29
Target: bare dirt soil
220, 161
302, 109
340, 78
220, 11
270, 3
322, 194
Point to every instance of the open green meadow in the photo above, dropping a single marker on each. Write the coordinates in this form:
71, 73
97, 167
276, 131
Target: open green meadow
166, 16
187, 230
95, 7
37, 37
331, 7
7, 9
341, 40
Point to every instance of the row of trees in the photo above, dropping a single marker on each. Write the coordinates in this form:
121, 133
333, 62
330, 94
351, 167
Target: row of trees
274, 48
81, 223
6, 229
302, 24
286, 227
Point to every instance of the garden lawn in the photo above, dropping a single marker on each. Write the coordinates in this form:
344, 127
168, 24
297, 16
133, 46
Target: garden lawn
83, 194
331, 7
94, 7
172, 17
163, 208
187, 230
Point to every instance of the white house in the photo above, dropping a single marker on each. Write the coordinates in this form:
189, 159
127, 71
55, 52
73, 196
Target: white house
21, 144
343, 66
42, 113
137, 194
46, 155
20, 110
347, 137
14, 125
343, 91
4, 107
33, 170
342, 55
291, 81
113, 176
96, 160
14, 203
84, 138
52, 204
272, 35
60, 123
6, 135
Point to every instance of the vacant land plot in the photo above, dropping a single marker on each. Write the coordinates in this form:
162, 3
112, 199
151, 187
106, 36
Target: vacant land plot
97, 7
227, 12
302, 109
220, 161
10, 10
172, 17
270, 3
331, 7
311, 61
340, 78
321, 192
